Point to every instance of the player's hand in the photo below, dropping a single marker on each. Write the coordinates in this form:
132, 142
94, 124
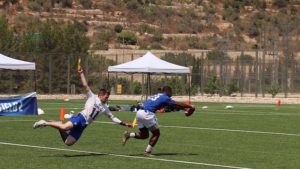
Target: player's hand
129, 125
190, 111
80, 70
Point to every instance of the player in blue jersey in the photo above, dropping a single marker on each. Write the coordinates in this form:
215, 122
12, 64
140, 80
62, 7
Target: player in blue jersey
94, 107
146, 118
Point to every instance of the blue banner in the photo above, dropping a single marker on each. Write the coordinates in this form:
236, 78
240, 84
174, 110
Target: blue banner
19, 105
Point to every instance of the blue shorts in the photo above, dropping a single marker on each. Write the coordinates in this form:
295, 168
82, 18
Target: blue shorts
79, 124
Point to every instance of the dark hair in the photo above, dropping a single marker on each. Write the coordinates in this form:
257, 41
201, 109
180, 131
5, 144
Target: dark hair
103, 92
167, 89
159, 90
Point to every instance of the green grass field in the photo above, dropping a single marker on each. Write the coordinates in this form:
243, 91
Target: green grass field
247, 136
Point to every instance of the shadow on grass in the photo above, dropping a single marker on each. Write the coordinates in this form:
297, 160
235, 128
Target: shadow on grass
83, 155
76, 155
167, 154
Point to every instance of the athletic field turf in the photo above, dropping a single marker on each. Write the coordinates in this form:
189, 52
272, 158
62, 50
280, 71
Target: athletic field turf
247, 136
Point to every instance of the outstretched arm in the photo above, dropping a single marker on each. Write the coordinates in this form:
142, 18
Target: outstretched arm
117, 121
181, 105
83, 80
189, 109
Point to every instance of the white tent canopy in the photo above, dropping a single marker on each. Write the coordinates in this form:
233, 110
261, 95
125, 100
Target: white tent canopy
148, 64
15, 64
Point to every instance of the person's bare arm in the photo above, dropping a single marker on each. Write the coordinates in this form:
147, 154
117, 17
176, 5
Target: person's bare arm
83, 80
117, 120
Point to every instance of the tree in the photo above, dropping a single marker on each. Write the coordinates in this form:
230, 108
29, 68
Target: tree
196, 74
184, 59
273, 90
7, 40
231, 87
213, 86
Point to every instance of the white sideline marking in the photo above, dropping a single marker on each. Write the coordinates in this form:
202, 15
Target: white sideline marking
232, 130
15, 120
120, 155
195, 128
65, 108
217, 129
240, 112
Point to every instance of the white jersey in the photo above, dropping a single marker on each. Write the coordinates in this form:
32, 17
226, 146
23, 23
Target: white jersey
94, 108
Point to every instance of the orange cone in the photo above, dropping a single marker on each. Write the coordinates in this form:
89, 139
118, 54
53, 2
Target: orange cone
278, 103
62, 114
187, 101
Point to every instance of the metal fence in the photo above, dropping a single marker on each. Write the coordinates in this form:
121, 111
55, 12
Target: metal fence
259, 76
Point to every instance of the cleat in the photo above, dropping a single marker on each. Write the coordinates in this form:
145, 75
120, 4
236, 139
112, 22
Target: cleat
148, 154
125, 137
39, 124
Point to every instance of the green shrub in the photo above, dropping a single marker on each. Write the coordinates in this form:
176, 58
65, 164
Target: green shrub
213, 86
196, 43
143, 28
137, 87
132, 5
156, 46
246, 58
157, 37
232, 87
230, 14
217, 55
34, 6
118, 28
274, 90
103, 39
127, 37
294, 10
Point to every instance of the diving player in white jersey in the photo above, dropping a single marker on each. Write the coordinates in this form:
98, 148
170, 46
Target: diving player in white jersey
95, 106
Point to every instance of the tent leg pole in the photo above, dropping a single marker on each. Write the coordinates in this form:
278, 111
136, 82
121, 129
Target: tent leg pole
143, 87
11, 83
148, 86
108, 81
189, 87
34, 75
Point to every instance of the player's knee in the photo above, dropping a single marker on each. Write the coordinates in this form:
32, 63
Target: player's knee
69, 143
65, 127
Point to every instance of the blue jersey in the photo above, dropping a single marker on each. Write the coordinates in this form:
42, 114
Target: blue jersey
157, 102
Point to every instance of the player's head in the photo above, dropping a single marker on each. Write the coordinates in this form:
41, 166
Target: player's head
103, 95
167, 90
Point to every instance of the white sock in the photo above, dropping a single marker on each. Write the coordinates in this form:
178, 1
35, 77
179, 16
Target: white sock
131, 135
148, 149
